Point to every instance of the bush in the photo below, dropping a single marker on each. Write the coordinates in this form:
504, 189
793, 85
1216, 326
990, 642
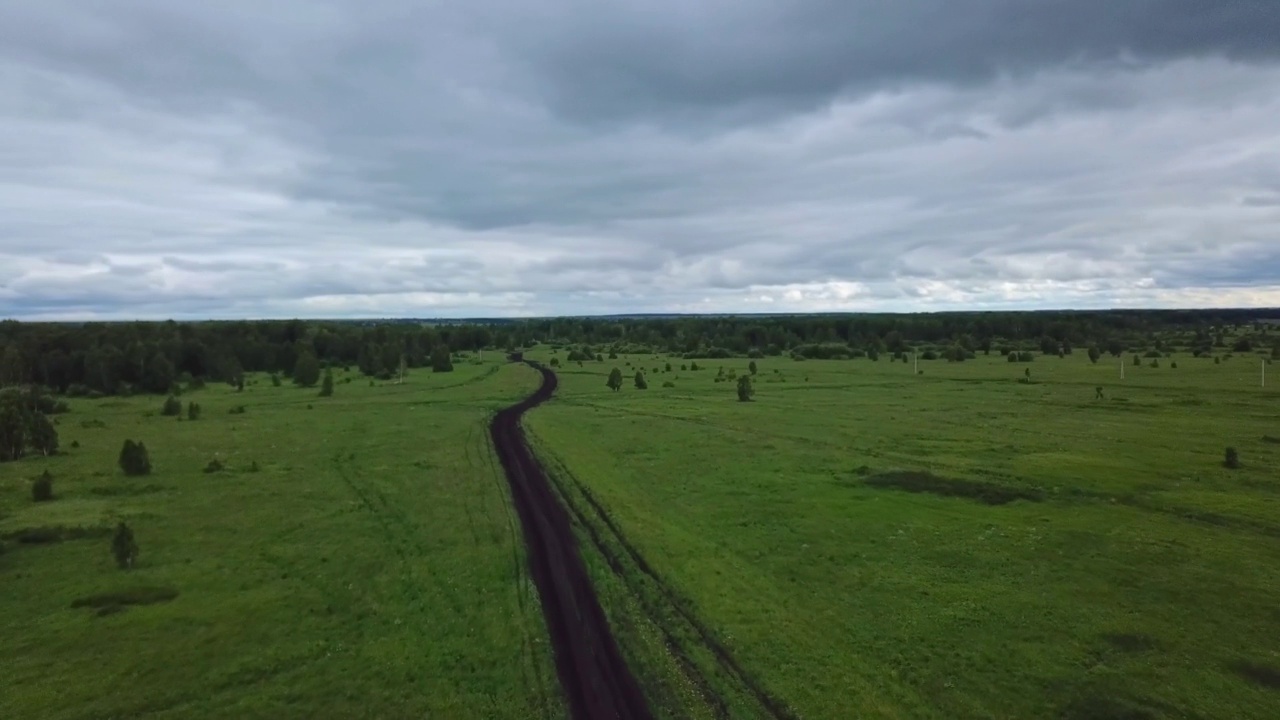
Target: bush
641, 384
1217, 360
692, 366
193, 411
215, 465
134, 459
555, 362
172, 407
236, 410
745, 390
1137, 361
1155, 363
1231, 458
42, 488
275, 379
668, 384
326, 386
1173, 365
123, 547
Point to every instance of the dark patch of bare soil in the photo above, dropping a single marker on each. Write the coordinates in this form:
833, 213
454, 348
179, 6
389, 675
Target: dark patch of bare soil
49, 534
109, 603
1258, 674
1131, 642
593, 674
926, 482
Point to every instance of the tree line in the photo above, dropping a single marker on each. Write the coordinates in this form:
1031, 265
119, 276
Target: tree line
121, 358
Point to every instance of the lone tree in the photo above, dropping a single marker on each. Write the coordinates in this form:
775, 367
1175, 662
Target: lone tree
172, 407
640, 381
42, 488
134, 459
306, 371
441, 360
124, 547
1231, 458
745, 391
326, 387
614, 382
1094, 353
751, 366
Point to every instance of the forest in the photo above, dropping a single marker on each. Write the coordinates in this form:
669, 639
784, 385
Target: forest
152, 357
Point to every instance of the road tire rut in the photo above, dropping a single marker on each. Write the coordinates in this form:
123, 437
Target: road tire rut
593, 674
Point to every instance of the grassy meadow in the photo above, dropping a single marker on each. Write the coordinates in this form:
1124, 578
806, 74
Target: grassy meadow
358, 557
865, 541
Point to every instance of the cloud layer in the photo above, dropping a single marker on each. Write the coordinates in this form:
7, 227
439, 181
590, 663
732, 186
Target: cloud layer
250, 159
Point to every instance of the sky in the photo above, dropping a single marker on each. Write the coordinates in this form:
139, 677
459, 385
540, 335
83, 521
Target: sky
378, 158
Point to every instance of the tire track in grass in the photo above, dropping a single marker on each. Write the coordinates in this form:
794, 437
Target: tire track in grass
593, 674
767, 704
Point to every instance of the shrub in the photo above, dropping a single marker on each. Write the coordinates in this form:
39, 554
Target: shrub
134, 459
745, 390
124, 547
193, 411
613, 355
1026, 356
75, 444
1155, 363
275, 379
42, 488
1231, 458
1217, 360
326, 386
555, 362
751, 367
684, 367
599, 357
692, 366
667, 367
1137, 361
668, 384
172, 407
236, 410
215, 465
1013, 357
1173, 365
1094, 354
253, 467
640, 381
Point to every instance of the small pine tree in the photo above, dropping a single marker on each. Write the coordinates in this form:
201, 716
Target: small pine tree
751, 367
42, 488
326, 386
614, 382
1137, 361
667, 367
124, 547
694, 366
1231, 458
1094, 354
172, 407
134, 459
275, 379
640, 381
745, 390
193, 410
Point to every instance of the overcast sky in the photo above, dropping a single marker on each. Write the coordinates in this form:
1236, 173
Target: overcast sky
280, 158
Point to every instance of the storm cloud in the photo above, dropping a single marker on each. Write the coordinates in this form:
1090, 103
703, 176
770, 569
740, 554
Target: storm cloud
340, 158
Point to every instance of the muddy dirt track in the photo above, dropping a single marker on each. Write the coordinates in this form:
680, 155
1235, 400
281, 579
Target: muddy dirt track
596, 680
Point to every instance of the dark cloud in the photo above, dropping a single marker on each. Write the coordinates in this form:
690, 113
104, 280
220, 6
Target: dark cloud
329, 157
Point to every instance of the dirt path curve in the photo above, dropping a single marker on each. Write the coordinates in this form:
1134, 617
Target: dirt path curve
595, 678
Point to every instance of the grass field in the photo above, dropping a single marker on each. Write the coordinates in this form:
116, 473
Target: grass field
1063, 557
370, 567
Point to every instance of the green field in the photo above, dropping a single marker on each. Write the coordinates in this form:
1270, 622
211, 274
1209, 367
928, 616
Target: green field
370, 567
1137, 579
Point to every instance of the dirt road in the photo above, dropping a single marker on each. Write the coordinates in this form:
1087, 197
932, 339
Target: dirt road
596, 681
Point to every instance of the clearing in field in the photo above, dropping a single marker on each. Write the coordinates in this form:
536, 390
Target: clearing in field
859, 540
346, 556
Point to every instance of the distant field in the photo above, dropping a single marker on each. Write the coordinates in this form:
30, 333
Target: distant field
370, 568
1063, 556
